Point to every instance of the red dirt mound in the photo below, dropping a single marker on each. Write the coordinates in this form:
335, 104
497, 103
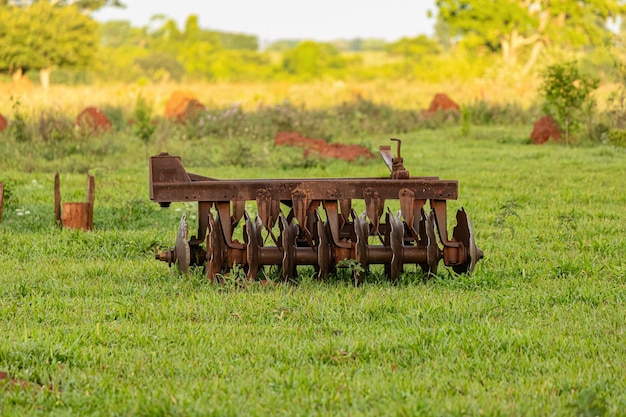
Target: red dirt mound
93, 119
442, 102
3, 123
321, 147
182, 105
544, 129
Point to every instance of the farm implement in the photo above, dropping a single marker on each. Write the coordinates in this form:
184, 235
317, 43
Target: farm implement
312, 222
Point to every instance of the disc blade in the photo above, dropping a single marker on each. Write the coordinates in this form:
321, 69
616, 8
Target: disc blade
181, 248
464, 233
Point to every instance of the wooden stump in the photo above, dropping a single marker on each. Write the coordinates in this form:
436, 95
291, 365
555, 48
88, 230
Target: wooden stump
76, 216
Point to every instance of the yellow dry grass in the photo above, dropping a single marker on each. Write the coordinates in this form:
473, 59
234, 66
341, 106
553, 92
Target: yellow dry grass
399, 93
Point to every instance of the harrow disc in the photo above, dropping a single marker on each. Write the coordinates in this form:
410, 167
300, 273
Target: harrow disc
254, 241
289, 233
181, 248
395, 238
361, 231
463, 233
427, 235
323, 247
215, 248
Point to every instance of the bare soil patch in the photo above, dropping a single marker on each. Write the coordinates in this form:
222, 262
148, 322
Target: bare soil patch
321, 148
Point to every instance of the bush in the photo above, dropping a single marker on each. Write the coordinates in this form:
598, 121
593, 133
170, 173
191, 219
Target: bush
568, 95
54, 127
18, 128
617, 137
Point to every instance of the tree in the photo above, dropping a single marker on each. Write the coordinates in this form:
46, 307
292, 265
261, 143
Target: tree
311, 59
413, 49
14, 58
161, 66
239, 41
85, 6
43, 36
512, 27
567, 92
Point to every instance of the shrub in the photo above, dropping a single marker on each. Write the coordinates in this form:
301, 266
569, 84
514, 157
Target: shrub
617, 137
54, 127
143, 128
18, 127
567, 92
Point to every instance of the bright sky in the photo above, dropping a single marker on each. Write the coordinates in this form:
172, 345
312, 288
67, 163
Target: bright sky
288, 19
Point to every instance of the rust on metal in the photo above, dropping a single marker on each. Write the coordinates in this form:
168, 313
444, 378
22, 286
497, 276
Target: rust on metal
312, 222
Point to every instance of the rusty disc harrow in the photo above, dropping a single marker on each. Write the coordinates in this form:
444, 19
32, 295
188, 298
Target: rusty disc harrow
313, 222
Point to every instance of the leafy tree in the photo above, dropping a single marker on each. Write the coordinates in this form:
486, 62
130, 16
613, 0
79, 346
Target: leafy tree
164, 50
515, 26
117, 33
413, 50
85, 6
567, 92
282, 45
237, 65
239, 41
359, 44
616, 103
414, 47
43, 36
121, 63
370, 44
196, 58
66, 38
14, 58
311, 59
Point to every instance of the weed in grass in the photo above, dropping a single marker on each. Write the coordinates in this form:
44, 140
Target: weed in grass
353, 266
18, 127
503, 220
235, 279
567, 222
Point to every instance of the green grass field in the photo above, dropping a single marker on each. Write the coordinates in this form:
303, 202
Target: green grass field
100, 328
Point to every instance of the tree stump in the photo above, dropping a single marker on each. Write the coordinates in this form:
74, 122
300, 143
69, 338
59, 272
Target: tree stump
76, 215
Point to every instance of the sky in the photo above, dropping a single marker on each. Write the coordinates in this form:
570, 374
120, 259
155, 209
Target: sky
320, 20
